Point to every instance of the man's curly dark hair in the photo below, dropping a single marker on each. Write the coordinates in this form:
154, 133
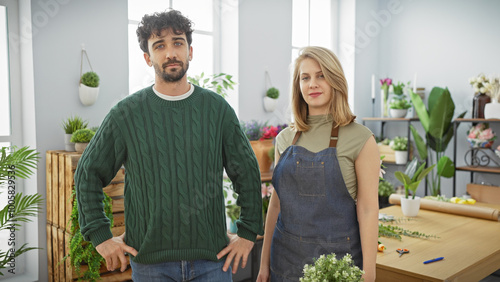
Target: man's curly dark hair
155, 23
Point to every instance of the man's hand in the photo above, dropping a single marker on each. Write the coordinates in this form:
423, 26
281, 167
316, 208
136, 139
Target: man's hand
113, 251
238, 248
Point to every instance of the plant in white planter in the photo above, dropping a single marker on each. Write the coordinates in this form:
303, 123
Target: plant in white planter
71, 125
271, 99
411, 178
89, 88
398, 107
400, 146
81, 138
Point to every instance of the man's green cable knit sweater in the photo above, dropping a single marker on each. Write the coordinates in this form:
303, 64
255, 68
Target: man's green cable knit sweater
174, 153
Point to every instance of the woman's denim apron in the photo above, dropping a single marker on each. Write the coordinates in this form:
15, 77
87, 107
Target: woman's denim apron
318, 216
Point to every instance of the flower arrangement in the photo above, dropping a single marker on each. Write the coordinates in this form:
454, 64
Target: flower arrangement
256, 130
329, 268
481, 136
398, 88
481, 83
384, 85
495, 88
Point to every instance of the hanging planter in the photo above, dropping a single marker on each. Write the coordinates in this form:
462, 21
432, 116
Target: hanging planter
272, 94
89, 83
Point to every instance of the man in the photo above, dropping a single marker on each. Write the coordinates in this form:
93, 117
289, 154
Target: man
174, 139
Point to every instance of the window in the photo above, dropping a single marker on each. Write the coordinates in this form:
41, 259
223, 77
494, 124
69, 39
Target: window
5, 124
311, 24
205, 37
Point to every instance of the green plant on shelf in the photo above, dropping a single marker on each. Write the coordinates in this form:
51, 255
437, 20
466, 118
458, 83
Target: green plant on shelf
399, 143
82, 135
74, 123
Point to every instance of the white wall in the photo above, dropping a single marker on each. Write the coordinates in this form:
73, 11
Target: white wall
445, 42
59, 29
265, 40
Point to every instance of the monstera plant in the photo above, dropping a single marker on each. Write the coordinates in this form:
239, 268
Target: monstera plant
437, 123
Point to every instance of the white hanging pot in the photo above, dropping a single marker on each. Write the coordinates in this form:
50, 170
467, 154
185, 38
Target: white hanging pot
88, 95
270, 104
410, 207
492, 110
401, 157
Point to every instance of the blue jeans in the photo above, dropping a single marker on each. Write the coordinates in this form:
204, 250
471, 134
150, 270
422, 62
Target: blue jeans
198, 270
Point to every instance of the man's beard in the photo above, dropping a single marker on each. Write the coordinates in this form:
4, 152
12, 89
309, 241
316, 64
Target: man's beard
172, 76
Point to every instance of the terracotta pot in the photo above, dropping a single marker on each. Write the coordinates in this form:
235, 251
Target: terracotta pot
261, 149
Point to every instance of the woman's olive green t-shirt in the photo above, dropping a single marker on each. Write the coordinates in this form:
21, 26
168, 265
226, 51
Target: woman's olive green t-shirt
352, 138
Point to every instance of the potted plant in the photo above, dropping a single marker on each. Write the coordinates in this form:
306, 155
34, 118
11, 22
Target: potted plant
329, 268
385, 189
398, 107
14, 165
219, 83
71, 125
271, 99
89, 88
81, 138
438, 127
400, 147
411, 178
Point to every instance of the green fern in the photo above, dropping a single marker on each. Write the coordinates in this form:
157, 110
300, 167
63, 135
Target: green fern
82, 251
17, 164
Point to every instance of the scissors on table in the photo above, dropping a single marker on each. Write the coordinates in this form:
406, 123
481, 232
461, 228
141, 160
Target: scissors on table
402, 251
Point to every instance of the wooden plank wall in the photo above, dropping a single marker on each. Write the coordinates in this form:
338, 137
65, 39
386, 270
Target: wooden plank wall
60, 169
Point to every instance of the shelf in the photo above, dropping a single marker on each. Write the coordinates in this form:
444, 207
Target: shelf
389, 119
476, 120
487, 169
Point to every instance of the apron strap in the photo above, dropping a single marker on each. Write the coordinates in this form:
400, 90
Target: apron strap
333, 138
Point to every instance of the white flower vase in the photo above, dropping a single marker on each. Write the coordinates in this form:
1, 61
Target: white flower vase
270, 104
410, 207
68, 145
401, 157
88, 95
492, 110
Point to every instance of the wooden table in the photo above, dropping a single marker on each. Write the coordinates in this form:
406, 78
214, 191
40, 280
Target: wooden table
470, 247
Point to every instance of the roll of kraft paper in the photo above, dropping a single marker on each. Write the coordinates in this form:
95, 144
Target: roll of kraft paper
451, 208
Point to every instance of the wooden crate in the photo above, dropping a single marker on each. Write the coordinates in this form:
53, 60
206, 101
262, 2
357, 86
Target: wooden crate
484, 193
61, 166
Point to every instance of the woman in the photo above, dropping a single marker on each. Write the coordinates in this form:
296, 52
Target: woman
326, 177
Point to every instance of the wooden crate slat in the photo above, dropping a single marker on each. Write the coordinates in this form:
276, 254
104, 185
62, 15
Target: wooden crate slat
120, 176
118, 205
115, 189
61, 251
118, 219
68, 187
60, 190
48, 179
50, 253
116, 276
118, 230
55, 186
55, 252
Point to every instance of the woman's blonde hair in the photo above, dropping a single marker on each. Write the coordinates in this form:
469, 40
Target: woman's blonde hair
334, 75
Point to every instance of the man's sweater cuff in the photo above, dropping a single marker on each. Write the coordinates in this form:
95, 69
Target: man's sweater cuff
247, 234
100, 235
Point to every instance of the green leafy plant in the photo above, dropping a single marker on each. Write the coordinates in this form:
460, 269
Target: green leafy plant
399, 87
91, 79
385, 188
82, 135
72, 124
219, 83
329, 268
411, 179
81, 251
399, 143
401, 104
273, 93
437, 123
17, 164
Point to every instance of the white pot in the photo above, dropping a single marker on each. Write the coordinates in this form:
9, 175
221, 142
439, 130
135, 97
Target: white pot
68, 145
398, 113
492, 110
410, 207
270, 104
401, 157
88, 95
80, 147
